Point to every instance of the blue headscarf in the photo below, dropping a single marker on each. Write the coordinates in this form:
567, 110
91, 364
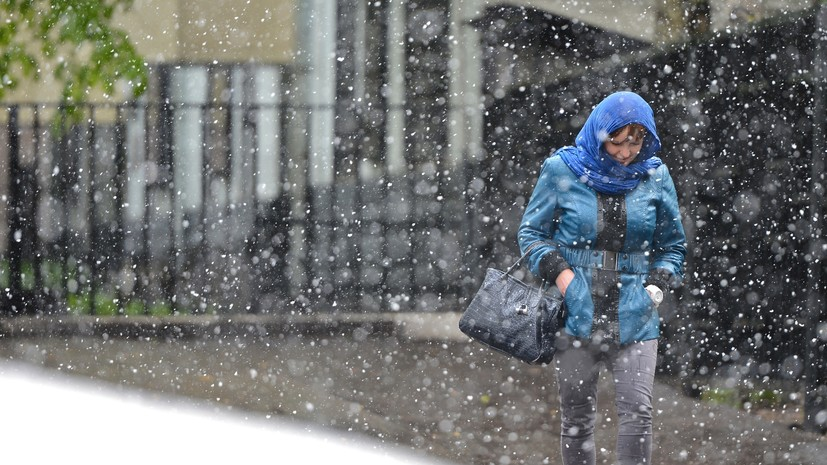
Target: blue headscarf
589, 160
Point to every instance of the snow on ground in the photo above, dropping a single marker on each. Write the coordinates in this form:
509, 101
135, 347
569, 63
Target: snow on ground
50, 417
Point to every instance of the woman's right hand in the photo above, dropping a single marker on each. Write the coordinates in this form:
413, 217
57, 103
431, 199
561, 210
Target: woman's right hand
563, 280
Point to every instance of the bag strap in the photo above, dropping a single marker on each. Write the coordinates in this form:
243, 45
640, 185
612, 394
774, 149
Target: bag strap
531, 247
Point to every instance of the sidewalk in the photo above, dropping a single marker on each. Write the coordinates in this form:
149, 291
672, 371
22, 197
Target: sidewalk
417, 326
407, 379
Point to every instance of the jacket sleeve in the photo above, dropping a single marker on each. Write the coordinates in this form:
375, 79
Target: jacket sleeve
669, 248
539, 223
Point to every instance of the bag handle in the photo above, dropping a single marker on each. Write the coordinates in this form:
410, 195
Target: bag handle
545, 286
527, 251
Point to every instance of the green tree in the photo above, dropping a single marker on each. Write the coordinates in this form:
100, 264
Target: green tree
77, 40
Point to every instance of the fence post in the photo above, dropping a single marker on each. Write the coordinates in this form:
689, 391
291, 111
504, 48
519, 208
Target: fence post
93, 258
14, 297
815, 394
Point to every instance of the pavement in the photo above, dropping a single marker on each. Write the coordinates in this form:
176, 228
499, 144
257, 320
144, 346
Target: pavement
404, 379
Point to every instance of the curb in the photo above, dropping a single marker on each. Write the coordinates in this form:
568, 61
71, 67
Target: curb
417, 326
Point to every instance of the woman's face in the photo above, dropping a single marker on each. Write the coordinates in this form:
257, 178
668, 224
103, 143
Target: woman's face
624, 144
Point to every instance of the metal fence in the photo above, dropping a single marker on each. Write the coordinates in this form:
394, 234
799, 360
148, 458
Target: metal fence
163, 209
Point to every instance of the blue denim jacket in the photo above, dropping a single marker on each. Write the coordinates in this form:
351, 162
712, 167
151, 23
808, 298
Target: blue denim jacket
562, 212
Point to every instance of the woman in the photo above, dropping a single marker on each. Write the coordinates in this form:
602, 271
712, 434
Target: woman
607, 214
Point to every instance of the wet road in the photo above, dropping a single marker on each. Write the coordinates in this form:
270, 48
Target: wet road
451, 399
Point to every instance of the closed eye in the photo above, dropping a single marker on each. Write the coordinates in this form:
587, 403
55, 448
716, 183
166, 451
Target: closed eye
631, 142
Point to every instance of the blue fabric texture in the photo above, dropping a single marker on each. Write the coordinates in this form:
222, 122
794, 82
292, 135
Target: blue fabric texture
562, 212
589, 160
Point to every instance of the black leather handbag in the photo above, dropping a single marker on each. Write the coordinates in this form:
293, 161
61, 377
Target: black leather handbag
515, 318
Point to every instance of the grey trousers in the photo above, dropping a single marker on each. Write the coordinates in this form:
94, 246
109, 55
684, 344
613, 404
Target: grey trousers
633, 369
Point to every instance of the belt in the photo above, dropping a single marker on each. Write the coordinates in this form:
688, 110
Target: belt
626, 262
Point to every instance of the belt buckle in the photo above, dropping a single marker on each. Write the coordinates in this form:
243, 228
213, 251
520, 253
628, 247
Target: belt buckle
609, 260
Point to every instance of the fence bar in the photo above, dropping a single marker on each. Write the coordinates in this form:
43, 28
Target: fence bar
143, 273
256, 238
358, 228
118, 200
15, 293
815, 396
202, 281
166, 180
37, 256
92, 219
283, 213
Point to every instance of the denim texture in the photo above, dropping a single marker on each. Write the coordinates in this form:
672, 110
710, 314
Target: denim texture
633, 371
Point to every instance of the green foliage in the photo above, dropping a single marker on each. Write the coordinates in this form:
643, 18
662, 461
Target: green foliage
721, 396
764, 398
76, 38
80, 304
744, 398
79, 301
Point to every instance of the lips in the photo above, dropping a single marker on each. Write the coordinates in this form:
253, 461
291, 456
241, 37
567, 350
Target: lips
624, 161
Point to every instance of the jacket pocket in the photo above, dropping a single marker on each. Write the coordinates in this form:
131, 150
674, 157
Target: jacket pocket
579, 306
